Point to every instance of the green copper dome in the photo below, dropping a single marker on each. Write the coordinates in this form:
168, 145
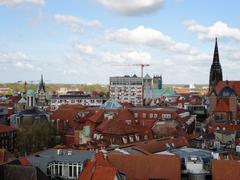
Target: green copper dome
30, 92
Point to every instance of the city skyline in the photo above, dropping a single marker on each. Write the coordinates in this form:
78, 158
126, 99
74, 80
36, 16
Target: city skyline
72, 41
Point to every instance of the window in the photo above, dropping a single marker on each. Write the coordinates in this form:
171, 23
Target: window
144, 115
70, 171
151, 115
124, 139
137, 137
75, 171
135, 115
155, 116
131, 138
145, 137
128, 122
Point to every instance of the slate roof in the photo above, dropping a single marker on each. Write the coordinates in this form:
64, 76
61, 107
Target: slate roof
42, 159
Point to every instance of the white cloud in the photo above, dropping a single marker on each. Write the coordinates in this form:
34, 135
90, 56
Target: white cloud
17, 59
13, 57
150, 37
218, 29
132, 7
70, 72
139, 35
127, 57
17, 2
85, 49
75, 23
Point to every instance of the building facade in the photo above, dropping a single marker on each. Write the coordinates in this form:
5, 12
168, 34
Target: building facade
127, 89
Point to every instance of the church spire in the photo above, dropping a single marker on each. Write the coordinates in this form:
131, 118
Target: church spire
216, 69
41, 84
216, 56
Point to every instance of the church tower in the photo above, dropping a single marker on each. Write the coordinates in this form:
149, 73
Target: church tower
41, 92
216, 69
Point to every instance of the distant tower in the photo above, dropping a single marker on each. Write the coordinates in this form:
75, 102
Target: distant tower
41, 92
147, 83
216, 69
31, 100
157, 82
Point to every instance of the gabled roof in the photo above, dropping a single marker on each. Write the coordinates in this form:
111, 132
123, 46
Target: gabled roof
235, 85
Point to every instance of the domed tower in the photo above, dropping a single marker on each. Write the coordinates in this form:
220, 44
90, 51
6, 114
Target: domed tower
31, 99
216, 69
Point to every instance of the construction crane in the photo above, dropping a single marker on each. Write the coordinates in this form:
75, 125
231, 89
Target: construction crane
141, 65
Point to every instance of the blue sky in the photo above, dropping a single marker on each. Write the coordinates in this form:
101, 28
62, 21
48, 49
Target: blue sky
82, 41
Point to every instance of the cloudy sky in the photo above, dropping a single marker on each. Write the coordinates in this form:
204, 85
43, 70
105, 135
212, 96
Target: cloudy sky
86, 41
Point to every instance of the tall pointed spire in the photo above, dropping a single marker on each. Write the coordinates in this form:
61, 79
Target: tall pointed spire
41, 84
216, 69
215, 55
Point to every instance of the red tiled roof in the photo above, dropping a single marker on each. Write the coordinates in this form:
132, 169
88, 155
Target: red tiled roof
225, 169
98, 169
97, 116
118, 127
235, 85
5, 128
124, 115
158, 145
146, 167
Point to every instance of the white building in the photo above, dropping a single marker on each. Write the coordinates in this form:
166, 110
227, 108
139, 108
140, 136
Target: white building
127, 89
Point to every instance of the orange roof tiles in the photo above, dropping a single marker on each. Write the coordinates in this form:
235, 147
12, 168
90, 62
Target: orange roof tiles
225, 169
97, 116
232, 84
159, 145
98, 169
117, 127
144, 167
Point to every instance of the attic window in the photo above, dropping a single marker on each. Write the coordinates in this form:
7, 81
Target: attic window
151, 115
131, 138
137, 137
144, 115
145, 137
167, 145
135, 115
124, 139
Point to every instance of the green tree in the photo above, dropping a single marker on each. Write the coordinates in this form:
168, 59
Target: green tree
34, 138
